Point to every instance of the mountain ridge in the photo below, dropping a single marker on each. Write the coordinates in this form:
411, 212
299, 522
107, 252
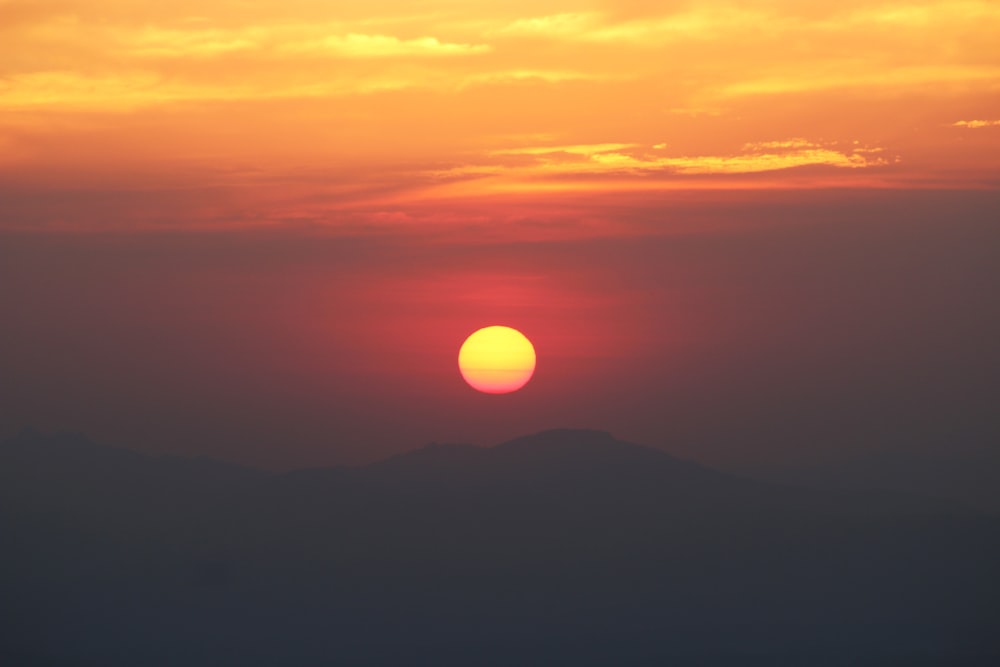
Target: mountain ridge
583, 463
455, 554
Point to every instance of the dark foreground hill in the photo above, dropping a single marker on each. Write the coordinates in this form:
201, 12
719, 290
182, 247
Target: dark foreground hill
562, 548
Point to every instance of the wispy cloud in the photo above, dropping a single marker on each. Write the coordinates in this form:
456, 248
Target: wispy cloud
854, 74
581, 149
276, 41
698, 24
567, 24
509, 76
67, 61
381, 46
976, 124
156, 42
135, 89
624, 159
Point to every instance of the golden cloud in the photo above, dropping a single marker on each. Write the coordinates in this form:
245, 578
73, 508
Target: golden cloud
976, 124
355, 45
612, 159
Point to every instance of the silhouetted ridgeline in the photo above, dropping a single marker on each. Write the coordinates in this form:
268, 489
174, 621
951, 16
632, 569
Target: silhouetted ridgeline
562, 548
970, 479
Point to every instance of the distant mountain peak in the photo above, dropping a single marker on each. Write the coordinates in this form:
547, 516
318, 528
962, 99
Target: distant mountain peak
572, 435
570, 442
564, 437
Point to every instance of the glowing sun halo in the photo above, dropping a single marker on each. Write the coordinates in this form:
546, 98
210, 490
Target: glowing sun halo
497, 360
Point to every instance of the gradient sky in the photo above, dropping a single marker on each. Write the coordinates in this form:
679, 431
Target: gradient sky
261, 230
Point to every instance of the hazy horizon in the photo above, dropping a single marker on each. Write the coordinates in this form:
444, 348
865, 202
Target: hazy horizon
779, 330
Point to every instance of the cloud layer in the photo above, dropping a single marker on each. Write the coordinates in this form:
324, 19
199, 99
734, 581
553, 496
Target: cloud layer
292, 99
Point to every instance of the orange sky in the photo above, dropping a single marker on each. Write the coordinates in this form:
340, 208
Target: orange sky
231, 113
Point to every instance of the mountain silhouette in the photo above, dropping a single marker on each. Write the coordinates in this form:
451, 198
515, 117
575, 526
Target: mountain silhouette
563, 547
972, 479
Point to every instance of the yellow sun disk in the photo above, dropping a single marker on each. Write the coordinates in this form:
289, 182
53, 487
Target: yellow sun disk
497, 360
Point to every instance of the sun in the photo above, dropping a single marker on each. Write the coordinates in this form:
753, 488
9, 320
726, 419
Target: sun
497, 360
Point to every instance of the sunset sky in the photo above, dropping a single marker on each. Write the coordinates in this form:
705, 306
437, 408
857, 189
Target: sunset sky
261, 230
